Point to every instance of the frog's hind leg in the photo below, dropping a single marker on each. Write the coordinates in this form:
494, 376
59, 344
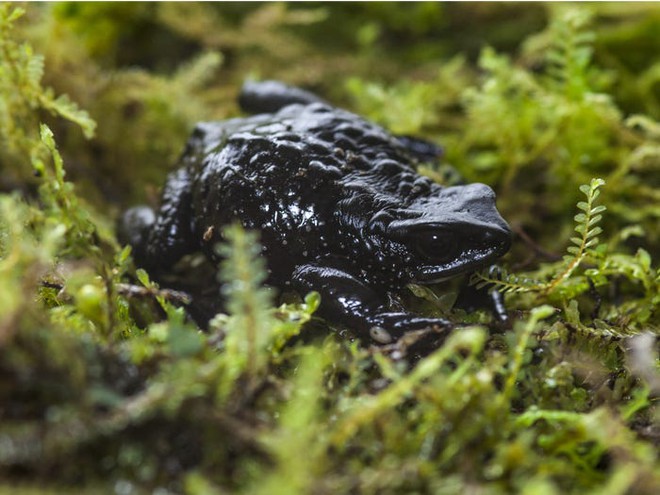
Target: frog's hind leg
160, 239
421, 150
271, 96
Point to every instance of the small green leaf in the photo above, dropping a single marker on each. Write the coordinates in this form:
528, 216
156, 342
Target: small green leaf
143, 277
594, 232
644, 258
591, 242
47, 136
312, 301
594, 220
183, 340
15, 14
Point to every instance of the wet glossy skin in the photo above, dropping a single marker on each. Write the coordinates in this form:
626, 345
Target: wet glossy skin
338, 202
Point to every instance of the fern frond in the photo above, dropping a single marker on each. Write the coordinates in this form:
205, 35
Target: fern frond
588, 230
69, 110
250, 326
199, 71
645, 124
34, 69
60, 200
22, 93
587, 239
503, 281
571, 50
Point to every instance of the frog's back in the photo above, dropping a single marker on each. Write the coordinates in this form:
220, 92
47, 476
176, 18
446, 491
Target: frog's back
285, 173
318, 130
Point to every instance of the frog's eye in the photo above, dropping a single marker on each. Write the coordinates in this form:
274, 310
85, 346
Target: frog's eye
436, 246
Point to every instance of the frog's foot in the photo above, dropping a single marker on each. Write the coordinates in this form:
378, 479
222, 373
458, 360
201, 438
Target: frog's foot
348, 300
389, 327
133, 229
470, 298
160, 240
271, 96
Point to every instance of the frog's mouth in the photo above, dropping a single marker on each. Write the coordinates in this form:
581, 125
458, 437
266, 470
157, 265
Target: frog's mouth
466, 261
446, 249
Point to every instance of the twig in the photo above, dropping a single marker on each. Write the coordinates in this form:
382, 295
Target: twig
130, 290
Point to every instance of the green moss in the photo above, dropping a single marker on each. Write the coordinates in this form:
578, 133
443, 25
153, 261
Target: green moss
107, 386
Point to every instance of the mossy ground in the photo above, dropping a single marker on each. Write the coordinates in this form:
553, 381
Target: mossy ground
107, 387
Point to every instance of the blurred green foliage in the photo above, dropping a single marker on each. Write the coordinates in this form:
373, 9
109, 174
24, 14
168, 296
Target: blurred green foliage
107, 387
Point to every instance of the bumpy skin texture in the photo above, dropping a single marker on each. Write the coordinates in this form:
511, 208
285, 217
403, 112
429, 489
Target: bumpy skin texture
338, 202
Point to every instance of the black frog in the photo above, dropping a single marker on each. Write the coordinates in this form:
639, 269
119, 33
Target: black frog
339, 204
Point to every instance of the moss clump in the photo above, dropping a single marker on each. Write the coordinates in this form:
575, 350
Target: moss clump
107, 386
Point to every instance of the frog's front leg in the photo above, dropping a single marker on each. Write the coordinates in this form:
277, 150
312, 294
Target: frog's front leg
159, 239
470, 298
346, 299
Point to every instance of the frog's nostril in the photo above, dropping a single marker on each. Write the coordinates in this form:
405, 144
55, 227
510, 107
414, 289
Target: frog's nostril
480, 191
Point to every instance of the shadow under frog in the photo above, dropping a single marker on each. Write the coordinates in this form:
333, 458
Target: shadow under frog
339, 205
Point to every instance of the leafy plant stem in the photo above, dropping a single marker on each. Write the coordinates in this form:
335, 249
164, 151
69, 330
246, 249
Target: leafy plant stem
537, 314
586, 222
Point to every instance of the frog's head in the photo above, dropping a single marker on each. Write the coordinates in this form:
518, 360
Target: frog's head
450, 231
